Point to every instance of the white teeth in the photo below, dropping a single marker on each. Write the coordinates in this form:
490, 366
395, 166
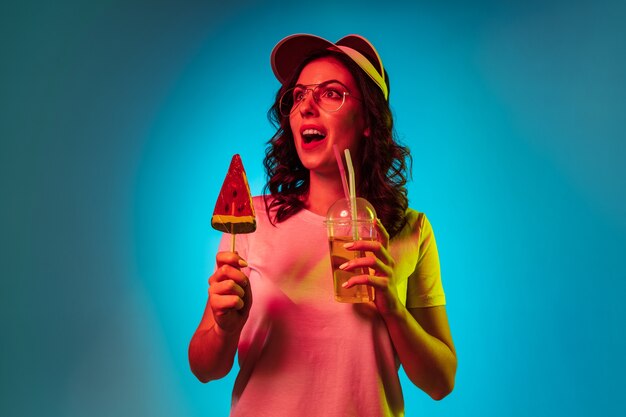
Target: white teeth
312, 132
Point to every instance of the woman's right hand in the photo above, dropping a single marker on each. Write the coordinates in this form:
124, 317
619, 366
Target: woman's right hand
230, 297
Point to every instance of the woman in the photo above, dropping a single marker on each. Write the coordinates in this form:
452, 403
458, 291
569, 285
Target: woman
300, 352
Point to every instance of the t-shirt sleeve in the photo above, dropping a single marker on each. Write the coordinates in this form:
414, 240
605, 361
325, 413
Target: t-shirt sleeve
424, 288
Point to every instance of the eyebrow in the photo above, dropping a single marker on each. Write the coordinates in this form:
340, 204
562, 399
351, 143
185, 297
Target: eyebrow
325, 82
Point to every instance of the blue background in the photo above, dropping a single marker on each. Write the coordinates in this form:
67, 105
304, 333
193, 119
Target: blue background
118, 121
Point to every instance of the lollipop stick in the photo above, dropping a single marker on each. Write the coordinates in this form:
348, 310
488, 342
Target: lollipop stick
232, 228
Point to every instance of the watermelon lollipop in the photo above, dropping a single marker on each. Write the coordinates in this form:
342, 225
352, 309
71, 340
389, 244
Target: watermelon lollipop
234, 212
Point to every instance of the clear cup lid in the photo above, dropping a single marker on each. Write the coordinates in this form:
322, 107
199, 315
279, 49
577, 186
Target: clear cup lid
341, 211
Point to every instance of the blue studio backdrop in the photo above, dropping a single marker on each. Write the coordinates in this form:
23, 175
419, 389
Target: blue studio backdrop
118, 122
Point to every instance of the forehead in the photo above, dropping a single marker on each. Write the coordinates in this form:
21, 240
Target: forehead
324, 69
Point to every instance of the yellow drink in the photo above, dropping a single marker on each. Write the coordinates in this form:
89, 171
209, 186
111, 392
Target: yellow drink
339, 255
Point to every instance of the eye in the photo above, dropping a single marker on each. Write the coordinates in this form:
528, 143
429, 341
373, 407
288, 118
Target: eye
298, 94
332, 92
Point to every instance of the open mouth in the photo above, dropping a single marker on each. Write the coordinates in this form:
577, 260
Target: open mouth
312, 135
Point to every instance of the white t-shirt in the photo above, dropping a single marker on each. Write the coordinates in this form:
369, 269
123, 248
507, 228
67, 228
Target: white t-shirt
301, 353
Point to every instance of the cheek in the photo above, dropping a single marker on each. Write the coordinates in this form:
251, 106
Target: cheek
352, 125
291, 124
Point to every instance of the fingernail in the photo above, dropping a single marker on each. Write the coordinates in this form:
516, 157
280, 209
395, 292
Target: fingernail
344, 285
343, 265
243, 263
348, 245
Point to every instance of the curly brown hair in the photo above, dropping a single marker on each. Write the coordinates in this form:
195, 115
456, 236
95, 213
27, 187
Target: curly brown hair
382, 160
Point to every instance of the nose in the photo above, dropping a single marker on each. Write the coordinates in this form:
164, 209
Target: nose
308, 105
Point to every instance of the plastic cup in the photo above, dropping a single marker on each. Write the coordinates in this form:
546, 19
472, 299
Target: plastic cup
342, 229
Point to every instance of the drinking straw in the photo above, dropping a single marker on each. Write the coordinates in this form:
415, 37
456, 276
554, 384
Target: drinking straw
342, 171
355, 230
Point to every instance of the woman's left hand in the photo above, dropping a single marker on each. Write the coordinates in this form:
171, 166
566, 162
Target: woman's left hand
380, 264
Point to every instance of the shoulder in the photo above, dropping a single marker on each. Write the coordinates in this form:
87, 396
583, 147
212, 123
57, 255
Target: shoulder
258, 202
260, 209
414, 219
261, 203
417, 224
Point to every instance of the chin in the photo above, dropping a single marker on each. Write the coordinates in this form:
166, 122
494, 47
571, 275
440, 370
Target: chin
319, 159
320, 165
310, 164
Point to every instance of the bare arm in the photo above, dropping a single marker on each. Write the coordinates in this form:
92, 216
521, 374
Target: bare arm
421, 336
214, 344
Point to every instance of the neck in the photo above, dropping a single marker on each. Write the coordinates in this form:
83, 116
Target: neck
323, 192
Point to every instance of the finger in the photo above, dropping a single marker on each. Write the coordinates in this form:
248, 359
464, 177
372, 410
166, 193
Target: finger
223, 303
230, 258
383, 236
228, 287
375, 247
228, 272
371, 262
371, 280
247, 298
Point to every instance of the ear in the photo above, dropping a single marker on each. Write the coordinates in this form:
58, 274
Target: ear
367, 132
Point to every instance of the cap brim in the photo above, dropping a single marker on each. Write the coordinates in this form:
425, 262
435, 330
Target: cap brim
363, 46
289, 53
